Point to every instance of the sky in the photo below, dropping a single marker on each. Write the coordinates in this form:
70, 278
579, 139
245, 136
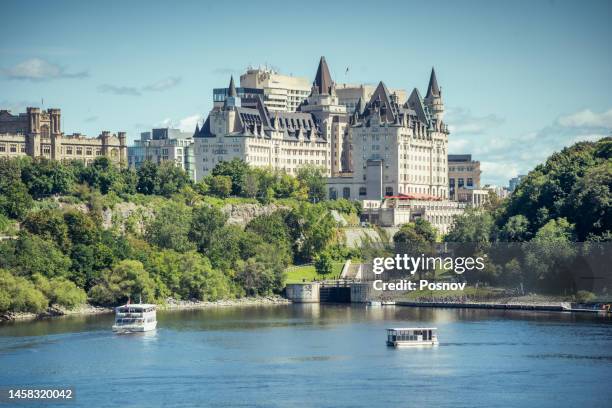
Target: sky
520, 79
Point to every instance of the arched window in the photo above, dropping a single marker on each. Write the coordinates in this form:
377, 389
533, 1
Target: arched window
333, 194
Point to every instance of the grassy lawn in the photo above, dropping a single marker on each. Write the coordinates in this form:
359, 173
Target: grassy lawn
297, 274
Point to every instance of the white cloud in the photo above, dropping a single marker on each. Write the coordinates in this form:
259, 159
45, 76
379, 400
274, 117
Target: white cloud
186, 124
159, 86
587, 118
461, 121
163, 84
118, 90
36, 69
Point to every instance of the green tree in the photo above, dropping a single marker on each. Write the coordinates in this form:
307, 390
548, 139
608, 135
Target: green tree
313, 178
324, 264
172, 179
103, 175
516, 229
30, 254
45, 177
148, 178
220, 186
126, 280
170, 227
236, 170
18, 294
48, 224
205, 221
15, 200
60, 291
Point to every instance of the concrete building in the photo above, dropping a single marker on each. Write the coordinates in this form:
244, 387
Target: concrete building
404, 208
514, 182
161, 145
38, 133
396, 148
463, 173
350, 94
281, 93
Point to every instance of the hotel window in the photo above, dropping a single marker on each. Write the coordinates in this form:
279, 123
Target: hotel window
460, 183
2, 148
98, 152
22, 148
79, 151
362, 191
68, 150
46, 150
13, 148
470, 182
89, 152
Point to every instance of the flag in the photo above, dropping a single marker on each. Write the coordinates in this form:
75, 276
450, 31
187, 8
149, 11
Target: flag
347, 70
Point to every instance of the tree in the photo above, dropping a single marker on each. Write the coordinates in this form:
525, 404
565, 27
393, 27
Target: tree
148, 179
312, 228
236, 170
126, 280
102, 175
591, 200
18, 294
172, 179
45, 177
516, 229
220, 185
48, 224
313, 178
60, 291
323, 264
30, 254
273, 230
170, 227
205, 221
15, 200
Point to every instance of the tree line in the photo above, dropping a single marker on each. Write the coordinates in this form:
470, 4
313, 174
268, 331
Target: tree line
62, 254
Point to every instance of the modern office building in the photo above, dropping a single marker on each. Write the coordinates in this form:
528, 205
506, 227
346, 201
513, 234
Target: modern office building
162, 145
281, 93
397, 148
463, 173
38, 133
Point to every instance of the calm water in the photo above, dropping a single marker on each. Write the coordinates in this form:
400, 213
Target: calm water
312, 355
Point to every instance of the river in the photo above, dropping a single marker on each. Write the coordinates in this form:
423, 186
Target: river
316, 356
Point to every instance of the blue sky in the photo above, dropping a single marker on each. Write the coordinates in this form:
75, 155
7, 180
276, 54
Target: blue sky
520, 79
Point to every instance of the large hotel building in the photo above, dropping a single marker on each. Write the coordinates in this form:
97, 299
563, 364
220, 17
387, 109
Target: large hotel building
279, 139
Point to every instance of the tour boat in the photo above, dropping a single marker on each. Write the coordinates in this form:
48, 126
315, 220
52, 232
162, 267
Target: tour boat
136, 317
412, 336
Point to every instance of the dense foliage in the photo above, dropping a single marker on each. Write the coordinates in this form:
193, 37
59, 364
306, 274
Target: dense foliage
60, 247
564, 201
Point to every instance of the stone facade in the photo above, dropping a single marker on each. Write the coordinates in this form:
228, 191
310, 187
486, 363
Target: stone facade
396, 148
37, 133
463, 174
284, 141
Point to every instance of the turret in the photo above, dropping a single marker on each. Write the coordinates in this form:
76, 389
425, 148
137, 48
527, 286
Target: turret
433, 99
232, 95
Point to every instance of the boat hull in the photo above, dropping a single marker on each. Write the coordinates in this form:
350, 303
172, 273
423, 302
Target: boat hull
403, 344
134, 328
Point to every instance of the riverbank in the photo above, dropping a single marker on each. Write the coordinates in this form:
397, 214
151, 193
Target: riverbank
171, 304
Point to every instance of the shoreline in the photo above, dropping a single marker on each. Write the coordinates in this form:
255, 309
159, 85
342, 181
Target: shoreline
170, 305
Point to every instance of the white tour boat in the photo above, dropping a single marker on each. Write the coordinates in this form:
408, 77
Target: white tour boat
412, 336
138, 317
